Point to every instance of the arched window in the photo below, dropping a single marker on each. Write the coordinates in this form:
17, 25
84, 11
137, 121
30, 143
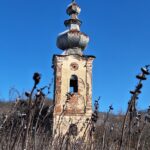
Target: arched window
73, 84
73, 130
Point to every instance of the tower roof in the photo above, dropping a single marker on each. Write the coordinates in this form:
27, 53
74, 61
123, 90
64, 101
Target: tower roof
72, 41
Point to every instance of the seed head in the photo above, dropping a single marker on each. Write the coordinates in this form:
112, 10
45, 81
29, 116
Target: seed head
36, 77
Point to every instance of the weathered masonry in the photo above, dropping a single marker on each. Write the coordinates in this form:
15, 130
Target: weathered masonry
73, 78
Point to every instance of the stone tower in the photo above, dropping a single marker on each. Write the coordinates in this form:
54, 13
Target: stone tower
73, 78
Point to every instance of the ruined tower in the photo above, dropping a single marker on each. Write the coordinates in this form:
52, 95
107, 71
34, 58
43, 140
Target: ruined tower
73, 77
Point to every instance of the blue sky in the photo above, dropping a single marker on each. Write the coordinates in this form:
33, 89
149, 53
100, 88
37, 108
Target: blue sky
119, 38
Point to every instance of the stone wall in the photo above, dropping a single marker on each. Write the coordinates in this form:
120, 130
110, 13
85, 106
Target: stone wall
72, 108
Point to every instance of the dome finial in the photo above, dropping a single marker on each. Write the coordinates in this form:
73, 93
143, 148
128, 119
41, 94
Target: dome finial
73, 41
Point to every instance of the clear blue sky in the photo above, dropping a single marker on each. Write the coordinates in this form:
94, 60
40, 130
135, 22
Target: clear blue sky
120, 39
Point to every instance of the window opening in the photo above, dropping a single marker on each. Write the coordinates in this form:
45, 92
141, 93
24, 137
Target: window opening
73, 84
73, 130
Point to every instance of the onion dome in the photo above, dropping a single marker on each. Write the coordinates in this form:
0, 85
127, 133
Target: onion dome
72, 41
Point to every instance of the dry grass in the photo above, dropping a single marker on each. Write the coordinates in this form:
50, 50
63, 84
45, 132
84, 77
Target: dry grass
28, 125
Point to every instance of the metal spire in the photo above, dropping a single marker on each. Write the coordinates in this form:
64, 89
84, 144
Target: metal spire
73, 41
